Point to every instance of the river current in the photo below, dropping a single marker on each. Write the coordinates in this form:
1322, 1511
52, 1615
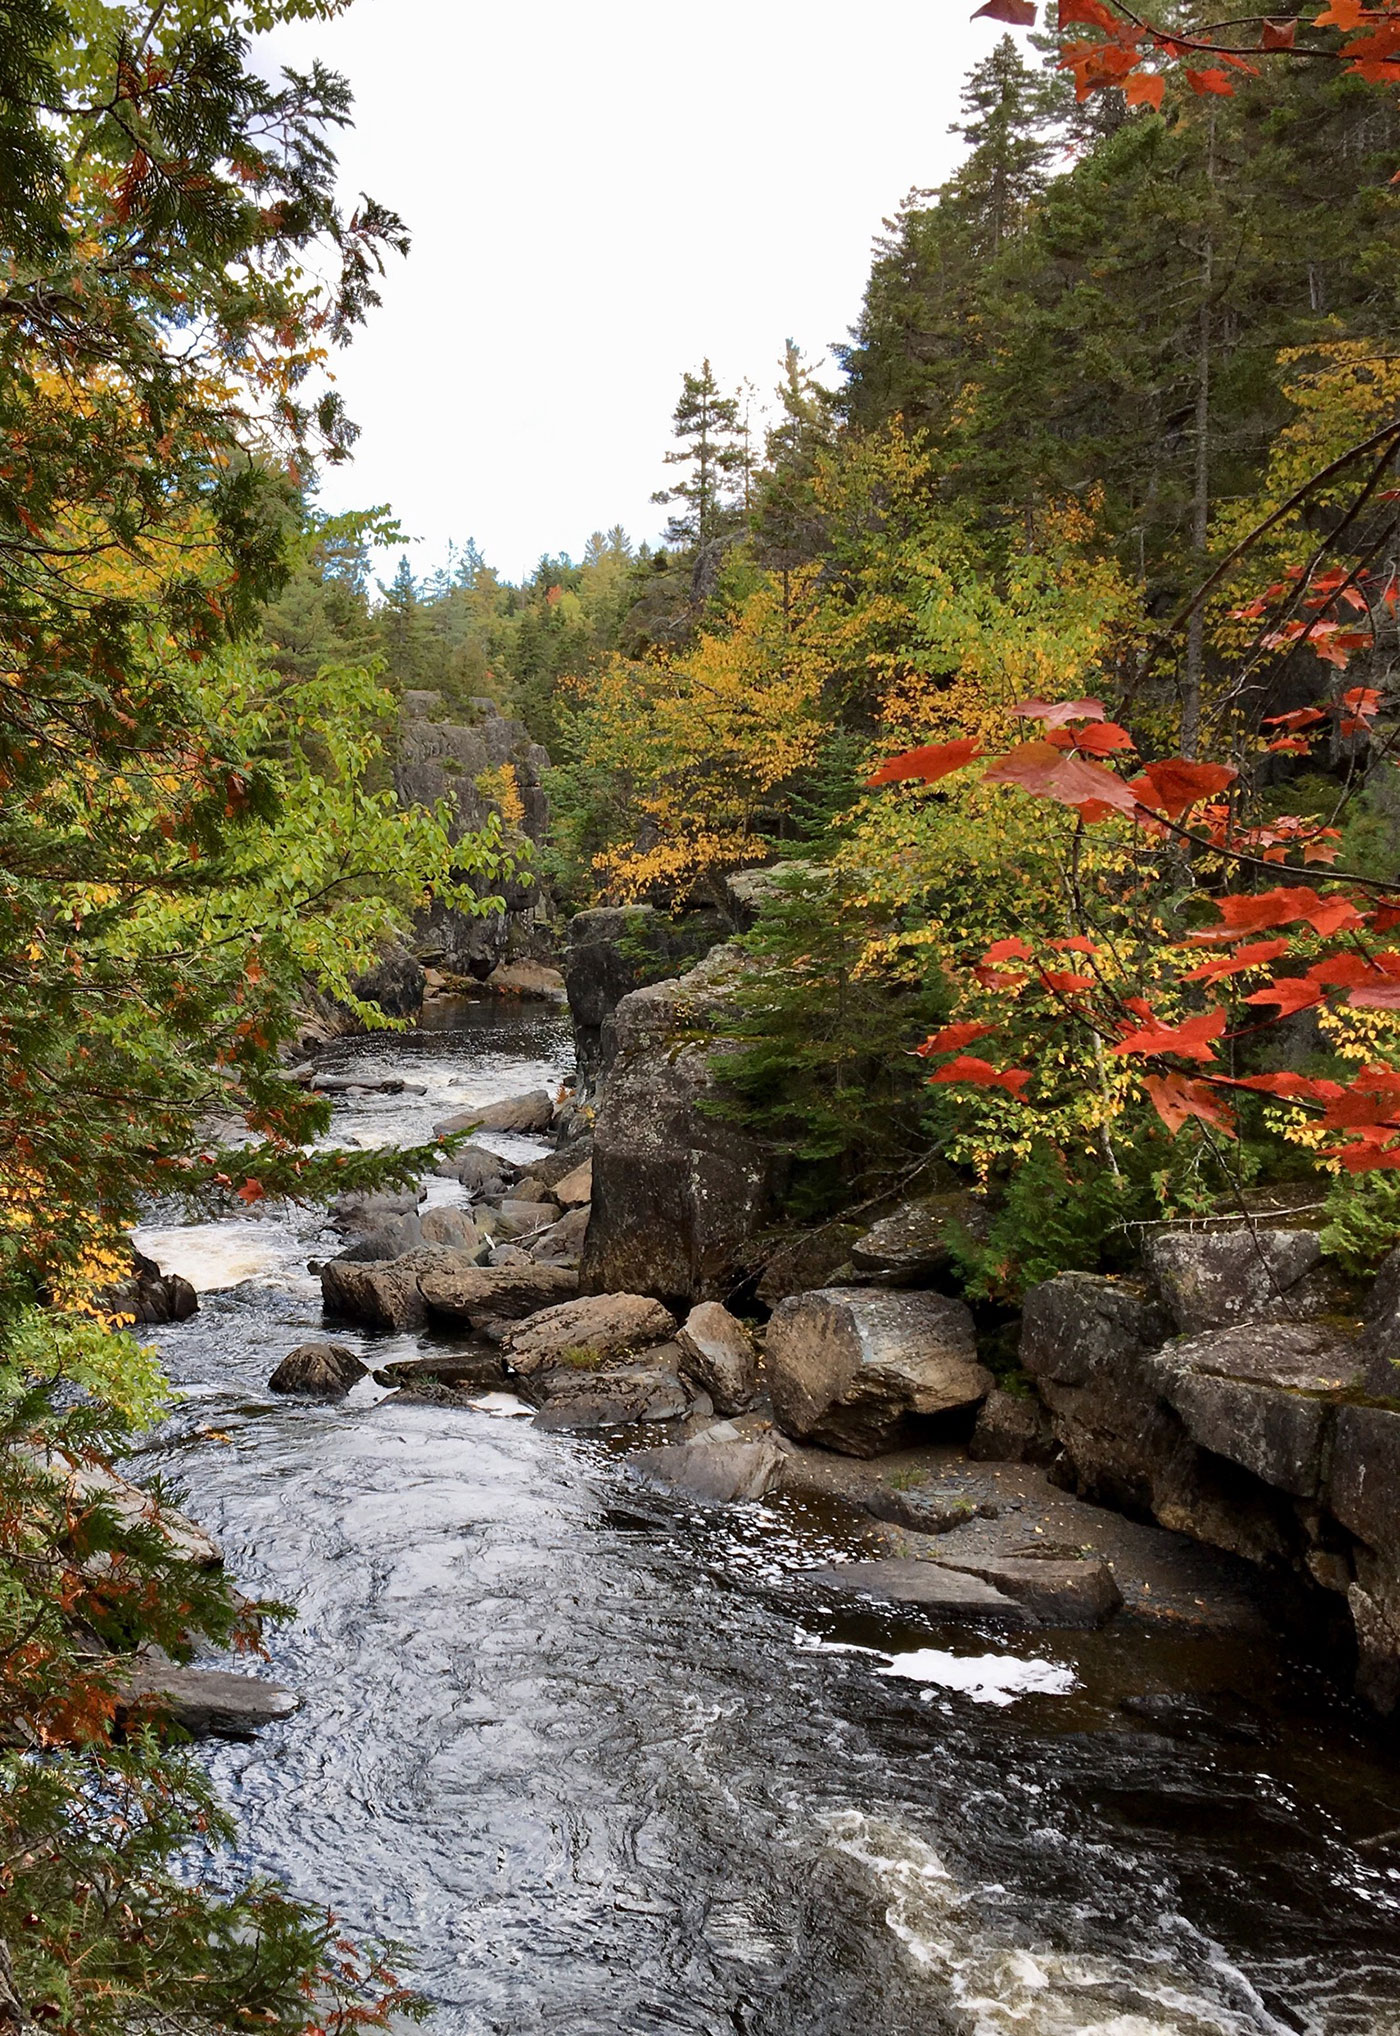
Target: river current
604, 1766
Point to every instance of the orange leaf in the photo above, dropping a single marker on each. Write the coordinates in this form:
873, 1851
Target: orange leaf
1191, 1039
1343, 14
930, 763
1007, 950
1232, 965
1177, 1097
1290, 993
953, 1038
1039, 768
1278, 34
1210, 81
1286, 906
1092, 12
1064, 982
1145, 88
1172, 785
251, 1191
982, 1075
1020, 13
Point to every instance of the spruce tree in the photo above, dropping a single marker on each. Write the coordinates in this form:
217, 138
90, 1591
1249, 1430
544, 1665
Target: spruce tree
709, 434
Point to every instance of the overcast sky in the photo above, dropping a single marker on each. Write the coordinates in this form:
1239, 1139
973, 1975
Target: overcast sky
599, 197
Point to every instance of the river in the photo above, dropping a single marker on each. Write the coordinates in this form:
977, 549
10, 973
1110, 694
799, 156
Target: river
605, 1767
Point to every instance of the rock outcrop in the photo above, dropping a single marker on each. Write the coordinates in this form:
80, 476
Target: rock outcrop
1259, 1434
463, 763
678, 1193
150, 1295
586, 1332
848, 1366
613, 950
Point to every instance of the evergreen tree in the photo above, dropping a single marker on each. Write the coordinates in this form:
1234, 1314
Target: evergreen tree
403, 630
710, 447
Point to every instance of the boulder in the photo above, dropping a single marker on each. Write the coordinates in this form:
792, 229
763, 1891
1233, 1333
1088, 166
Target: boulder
924, 1509
389, 1239
524, 1114
362, 1214
383, 1293
476, 1294
847, 1366
453, 1227
946, 1593
905, 1247
531, 1189
562, 1242
613, 1398
1213, 1280
1261, 1396
1381, 1333
591, 1329
523, 1219
613, 950
1084, 1341
205, 1702
1075, 1593
717, 1473
326, 1369
719, 1355
678, 1193
465, 1372
88, 1483
575, 1188
553, 1167
1363, 1489
150, 1295
395, 984
804, 1259
1012, 1428
480, 1171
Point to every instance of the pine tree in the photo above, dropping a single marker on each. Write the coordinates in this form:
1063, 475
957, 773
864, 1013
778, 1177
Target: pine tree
709, 432
1008, 111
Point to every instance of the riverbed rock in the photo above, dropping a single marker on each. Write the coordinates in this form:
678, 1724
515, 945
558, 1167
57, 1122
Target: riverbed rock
925, 1509
477, 1294
1070, 1593
88, 1483
613, 950
1084, 1339
1214, 1280
678, 1193
1261, 1396
382, 1293
464, 1372
208, 1703
362, 1214
523, 1219
452, 1227
149, 1295
576, 1188
950, 1594
719, 1355
325, 1369
589, 1330
562, 1242
528, 1113
847, 1366
1012, 1428
395, 984
717, 1473
481, 1172
643, 1388
1363, 1489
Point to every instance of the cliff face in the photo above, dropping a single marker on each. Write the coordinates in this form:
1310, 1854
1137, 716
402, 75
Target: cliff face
442, 759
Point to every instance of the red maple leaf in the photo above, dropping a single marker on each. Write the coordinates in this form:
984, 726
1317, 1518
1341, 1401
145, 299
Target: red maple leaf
1191, 1039
933, 761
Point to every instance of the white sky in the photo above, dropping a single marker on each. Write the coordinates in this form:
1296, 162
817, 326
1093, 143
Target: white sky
599, 196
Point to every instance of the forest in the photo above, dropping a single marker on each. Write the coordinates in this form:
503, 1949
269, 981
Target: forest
1043, 642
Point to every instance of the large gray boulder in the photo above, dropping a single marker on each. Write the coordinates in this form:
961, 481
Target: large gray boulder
587, 1332
457, 1292
149, 1295
912, 1242
644, 1388
717, 1473
1215, 1279
208, 1703
382, 1293
613, 950
677, 1192
326, 1370
720, 1356
1262, 1395
562, 1242
848, 1366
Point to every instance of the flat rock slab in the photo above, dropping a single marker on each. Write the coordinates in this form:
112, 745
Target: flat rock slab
579, 1401
473, 1293
717, 1473
472, 1371
588, 1331
209, 1703
1215, 1280
951, 1593
1074, 1593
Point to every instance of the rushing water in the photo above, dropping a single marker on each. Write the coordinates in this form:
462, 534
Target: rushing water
605, 1767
